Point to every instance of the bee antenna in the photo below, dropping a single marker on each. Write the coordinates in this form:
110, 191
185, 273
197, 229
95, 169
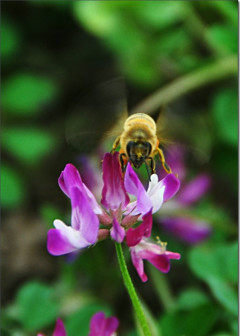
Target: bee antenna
148, 172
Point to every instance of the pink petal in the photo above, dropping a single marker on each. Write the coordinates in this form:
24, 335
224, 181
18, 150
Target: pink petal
58, 243
64, 239
117, 231
138, 264
113, 193
172, 185
102, 326
83, 217
161, 262
194, 190
59, 328
69, 178
134, 187
134, 236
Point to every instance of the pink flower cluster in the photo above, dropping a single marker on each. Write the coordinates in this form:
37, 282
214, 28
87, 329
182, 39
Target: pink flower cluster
116, 215
99, 326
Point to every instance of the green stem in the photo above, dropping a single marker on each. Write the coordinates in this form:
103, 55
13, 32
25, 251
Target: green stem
131, 291
162, 289
219, 69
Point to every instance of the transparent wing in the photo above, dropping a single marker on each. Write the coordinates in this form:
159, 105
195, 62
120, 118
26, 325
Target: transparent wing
188, 130
97, 114
180, 127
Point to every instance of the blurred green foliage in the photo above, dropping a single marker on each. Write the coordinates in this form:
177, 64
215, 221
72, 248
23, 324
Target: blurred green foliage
52, 52
36, 306
24, 94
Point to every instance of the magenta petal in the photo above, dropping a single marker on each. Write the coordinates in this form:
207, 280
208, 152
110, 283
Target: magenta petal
172, 185
83, 217
138, 264
102, 326
69, 178
194, 190
161, 262
111, 326
113, 193
147, 224
117, 231
134, 187
134, 236
59, 328
58, 243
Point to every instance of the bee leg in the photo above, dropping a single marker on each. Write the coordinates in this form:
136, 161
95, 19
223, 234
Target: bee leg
164, 164
115, 144
152, 165
123, 166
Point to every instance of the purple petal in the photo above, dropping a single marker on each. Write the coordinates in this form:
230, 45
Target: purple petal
59, 328
134, 187
186, 229
113, 193
194, 190
171, 184
102, 326
83, 217
117, 232
64, 239
58, 244
69, 178
134, 236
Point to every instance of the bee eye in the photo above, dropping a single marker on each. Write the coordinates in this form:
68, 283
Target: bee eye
130, 148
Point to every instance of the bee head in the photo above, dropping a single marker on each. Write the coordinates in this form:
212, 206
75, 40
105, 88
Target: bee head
138, 152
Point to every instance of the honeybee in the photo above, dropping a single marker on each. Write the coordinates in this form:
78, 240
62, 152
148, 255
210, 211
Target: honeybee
139, 143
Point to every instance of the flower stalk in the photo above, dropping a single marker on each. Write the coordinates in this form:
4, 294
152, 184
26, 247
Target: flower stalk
132, 292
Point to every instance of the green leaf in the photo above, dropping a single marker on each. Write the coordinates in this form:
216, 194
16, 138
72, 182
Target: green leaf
228, 9
197, 322
225, 294
36, 305
161, 14
25, 94
218, 262
225, 115
218, 268
27, 144
98, 17
13, 192
80, 320
191, 299
9, 38
224, 38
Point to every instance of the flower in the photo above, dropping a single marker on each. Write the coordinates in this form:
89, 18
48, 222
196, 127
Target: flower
84, 221
102, 326
59, 329
185, 227
142, 248
99, 326
117, 213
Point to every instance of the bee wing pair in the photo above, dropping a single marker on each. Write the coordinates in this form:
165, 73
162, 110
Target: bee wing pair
98, 114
